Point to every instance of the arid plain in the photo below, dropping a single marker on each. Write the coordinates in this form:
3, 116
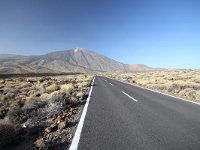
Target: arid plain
181, 83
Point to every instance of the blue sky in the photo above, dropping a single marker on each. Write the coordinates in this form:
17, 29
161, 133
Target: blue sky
158, 33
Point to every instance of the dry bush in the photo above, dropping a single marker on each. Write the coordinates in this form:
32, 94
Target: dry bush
3, 111
161, 87
198, 95
81, 95
25, 84
2, 97
196, 79
55, 93
188, 93
7, 133
46, 96
42, 79
84, 84
29, 98
34, 105
16, 116
52, 88
68, 88
73, 100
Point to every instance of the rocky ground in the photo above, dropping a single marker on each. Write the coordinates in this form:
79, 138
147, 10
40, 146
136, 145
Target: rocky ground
39, 112
181, 83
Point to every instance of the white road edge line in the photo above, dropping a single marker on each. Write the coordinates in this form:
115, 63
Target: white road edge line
76, 138
111, 84
186, 100
129, 96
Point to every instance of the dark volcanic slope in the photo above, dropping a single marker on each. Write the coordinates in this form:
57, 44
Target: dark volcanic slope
75, 60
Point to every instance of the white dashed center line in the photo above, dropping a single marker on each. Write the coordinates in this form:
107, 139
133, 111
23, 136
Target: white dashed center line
111, 84
129, 96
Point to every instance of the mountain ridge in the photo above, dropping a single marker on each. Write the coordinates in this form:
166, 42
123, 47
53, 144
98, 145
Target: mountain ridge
73, 60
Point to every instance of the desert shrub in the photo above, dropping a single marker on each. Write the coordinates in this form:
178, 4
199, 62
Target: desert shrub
68, 88
43, 89
177, 86
16, 116
52, 88
143, 82
25, 84
33, 110
159, 86
30, 98
2, 97
12, 90
55, 92
198, 95
33, 105
195, 86
196, 79
9, 96
81, 95
45, 96
40, 144
8, 99
44, 79
188, 93
57, 103
36, 94
31, 80
84, 84
73, 100
59, 96
7, 133
76, 85
21, 79
3, 111
25, 90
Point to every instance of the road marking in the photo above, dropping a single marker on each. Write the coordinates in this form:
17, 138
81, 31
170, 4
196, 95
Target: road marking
186, 100
129, 96
180, 98
111, 84
105, 80
75, 141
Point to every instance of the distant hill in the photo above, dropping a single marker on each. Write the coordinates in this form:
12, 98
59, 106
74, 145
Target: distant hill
9, 56
138, 67
74, 60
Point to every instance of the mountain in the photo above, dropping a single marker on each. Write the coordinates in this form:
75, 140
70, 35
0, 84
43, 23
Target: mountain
74, 60
138, 67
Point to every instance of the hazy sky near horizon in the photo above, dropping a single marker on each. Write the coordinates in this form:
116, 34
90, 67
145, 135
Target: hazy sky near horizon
158, 33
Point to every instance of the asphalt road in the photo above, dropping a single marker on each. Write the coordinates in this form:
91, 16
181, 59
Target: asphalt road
124, 117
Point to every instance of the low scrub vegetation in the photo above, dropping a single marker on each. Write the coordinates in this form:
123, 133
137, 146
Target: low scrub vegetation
182, 83
42, 109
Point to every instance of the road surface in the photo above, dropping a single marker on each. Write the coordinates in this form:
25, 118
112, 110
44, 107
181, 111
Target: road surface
125, 117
